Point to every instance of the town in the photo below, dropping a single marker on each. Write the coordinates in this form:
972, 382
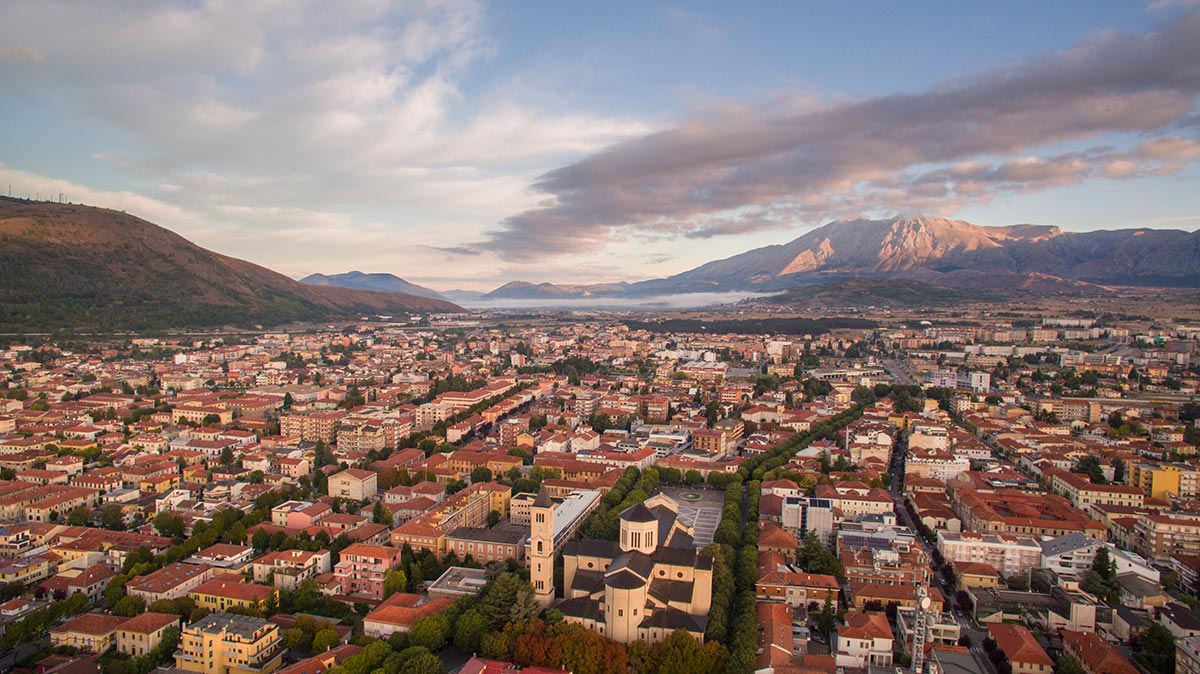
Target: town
588, 496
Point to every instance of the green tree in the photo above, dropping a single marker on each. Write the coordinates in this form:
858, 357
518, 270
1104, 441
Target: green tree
1158, 650
1068, 664
111, 517
381, 515
825, 619
425, 663
508, 599
813, 557
297, 639
430, 632
169, 524
1101, 578
394, 581
679, 653
1090, 465
324, 640
481, 474
79, 516
115, 590
261, 540
129, 606
469, 630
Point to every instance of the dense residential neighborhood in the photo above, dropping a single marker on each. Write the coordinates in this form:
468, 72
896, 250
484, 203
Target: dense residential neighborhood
986, 498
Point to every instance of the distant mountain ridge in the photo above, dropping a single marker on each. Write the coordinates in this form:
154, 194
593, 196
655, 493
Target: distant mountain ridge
67, 265
935, 251
378, 282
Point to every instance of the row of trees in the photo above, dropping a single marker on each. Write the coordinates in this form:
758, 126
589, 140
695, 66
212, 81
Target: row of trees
605, 522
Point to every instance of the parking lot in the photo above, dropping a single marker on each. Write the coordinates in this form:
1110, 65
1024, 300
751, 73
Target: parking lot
700, 508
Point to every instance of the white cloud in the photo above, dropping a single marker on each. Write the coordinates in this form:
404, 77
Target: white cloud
270, 116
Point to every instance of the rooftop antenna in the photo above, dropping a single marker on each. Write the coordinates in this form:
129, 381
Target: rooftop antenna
919, 627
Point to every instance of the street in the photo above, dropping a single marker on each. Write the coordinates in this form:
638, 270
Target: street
13, 656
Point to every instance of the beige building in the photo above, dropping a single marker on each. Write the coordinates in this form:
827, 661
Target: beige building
1024, 653
865, 640
90, 632
353, 483
1082, 493
1187, 655
226, 643
142, 634
643, 587
1010, 555
1158, 537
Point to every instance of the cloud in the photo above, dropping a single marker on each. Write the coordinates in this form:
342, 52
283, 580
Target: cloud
21, 53
25, 184
695, 24
1173, 4
739, 169
260, 116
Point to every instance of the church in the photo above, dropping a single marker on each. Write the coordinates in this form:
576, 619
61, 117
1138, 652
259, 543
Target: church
646, 585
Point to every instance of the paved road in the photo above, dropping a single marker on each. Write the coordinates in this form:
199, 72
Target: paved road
453, 659
21, 652
898, 372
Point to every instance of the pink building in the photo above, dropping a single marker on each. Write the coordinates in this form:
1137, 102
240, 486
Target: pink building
364, 567
308, 516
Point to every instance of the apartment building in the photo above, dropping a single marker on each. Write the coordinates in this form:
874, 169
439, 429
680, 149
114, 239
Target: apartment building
1010, 555
864, 641
1187, 655
173, 581
354, 483
856, 498
935, 464
90, 632
221, 594
487, 545
364, 567
796, 588
468, 508
365, 437
141, 634
1162, 536
1161, 481
227, 643
1081, 492
286, 569
316, 427
801, 514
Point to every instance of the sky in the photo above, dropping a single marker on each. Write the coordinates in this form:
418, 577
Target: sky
465, 144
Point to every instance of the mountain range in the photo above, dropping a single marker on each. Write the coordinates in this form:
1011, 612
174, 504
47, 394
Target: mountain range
385, 283
67, 265
935, 251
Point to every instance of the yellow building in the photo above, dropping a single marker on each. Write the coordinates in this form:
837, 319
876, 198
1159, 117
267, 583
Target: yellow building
142, 634
90, 632
1158, 481
220, 594
226, 643
27, 570
159, 484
